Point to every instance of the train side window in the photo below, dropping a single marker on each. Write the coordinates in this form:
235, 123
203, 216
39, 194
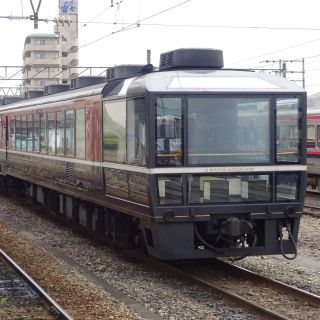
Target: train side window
318, 136
36, 133
1, 131
70, 133
114, 131
43, 132
12, 132
136, 133
169, 131
60, 133
51, 133
29, 132
80, 133
18, 133
24, 133
311, 136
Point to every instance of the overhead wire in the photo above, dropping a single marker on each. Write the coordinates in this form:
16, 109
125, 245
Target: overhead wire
276, 51
135, 24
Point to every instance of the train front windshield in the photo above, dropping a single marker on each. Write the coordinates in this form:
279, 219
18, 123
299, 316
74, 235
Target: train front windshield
224, 130
225, 133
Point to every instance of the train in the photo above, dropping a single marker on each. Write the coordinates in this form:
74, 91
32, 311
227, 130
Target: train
313, 143
189, 160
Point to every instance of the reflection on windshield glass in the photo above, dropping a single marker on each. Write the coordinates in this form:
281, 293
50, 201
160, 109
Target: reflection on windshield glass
169, 132
228, 130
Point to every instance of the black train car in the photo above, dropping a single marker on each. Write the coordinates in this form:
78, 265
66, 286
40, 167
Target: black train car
194, 160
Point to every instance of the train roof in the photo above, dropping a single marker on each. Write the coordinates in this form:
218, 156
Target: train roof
222, 80
193, 80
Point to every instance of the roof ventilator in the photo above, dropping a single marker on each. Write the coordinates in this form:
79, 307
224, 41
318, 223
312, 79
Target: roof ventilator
192, 58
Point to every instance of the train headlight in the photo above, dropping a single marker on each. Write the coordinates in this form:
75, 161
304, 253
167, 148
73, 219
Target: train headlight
169, 215
290, 211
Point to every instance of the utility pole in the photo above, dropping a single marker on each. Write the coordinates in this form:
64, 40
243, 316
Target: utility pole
283, 69
35, 16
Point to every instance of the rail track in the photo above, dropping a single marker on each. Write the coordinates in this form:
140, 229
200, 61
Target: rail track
271, 300
51, 310
313, 211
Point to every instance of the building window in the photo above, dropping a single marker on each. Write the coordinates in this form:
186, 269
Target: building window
40, 82
40, 69
27, 54
39, 55
40, 42
64, 54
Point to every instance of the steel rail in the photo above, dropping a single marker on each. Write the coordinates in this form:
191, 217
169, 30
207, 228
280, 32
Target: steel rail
300, 294
60, 312
312, 213
172, 271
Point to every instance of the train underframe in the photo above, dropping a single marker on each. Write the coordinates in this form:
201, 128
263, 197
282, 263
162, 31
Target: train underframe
222, 236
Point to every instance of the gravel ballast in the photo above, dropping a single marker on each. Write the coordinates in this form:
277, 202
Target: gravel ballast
166, 298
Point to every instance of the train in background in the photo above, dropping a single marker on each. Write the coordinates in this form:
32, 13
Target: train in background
313, 143
192, 160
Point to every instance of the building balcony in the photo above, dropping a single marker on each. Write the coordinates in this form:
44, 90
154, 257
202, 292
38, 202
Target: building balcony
44, 47
33, 61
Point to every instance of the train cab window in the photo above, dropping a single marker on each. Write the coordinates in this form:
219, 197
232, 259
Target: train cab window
51, 133
29, 132
12, 132
36, 132
226, 130
114, 131
18, 133
311, 136
288, 130
43, 132
169, 128
60, 133
80, 133
70, 133
136, 133
24, 133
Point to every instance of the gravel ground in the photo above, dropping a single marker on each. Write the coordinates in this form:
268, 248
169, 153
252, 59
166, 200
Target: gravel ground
167, 298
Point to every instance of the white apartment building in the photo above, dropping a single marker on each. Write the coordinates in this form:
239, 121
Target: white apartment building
53, 58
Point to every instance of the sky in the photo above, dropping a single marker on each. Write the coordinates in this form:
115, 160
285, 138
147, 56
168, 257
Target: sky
250, 32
